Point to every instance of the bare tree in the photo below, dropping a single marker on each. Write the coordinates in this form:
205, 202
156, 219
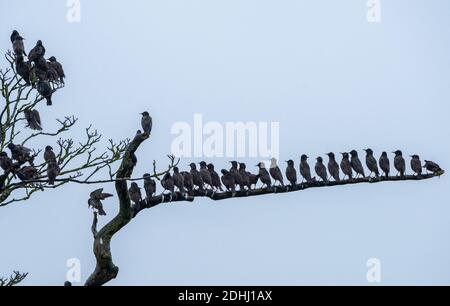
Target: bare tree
13, 280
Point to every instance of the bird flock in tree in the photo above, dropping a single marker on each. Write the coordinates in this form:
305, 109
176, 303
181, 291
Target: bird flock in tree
206, 178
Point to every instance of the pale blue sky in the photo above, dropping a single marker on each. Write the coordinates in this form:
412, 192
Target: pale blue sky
334, 82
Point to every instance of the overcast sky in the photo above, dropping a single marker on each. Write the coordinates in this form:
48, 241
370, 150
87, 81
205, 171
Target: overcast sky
332, 80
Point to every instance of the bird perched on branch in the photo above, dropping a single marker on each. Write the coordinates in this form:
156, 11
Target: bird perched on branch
188, 181
178, 180
399, 163
167, 183
206, 176
321, 170
6, 163
14, 35
95, 200
237, 176
356, 164
20, 153
371, 163
33, 119
53, 171
44, 89
346, 166
28, 173
333, 167
305, 170
196, 177
37, 52
245, 177
135, 193
416, 165
54, 64
49, 155
23, 69
264, 175
147, 123
275, 171
215, 178
228, 181
385, 164
149, 186
252, 178
432, 167
18, 46
291, 173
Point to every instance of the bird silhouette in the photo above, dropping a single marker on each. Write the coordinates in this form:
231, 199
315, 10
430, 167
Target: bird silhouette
53, 171
416, 165
356, 164
215, 178
37, 52
275, 171
206, 175
135, 193
168, 184
196, 177
264, 175
228, 181
333, 167
346, 166
291, 173
178, 180
321, 170
385, 164
399, 163
149, 186
95, 200
33, 119
305, 170
432, 167
371, 163
55, 65
147, 123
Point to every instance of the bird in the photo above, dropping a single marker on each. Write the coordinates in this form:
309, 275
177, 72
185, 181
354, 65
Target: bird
44, 89
147, 123
188, 181
33, 119
167, 183
291, 173
149, 186
399, 163
333, 167
321, 170
178, 179
28, 173
95, 200
416, 165
14, 35
6, 163
53, 171
385, 164
58, 68
432, 167
215, 178
356, 164
206, 176
264, 175
135, 193
305, 170
196, 177
20, 153
37, 52
244, 176
252, 178
371, 163
23, 69
228, 181
49, 155
237, 176
275, 171
18, 46
346, 166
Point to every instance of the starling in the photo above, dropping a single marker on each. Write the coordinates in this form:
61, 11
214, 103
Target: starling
333, 167
432, 167
416, 165
95, 200
178, 180
346, 166
135, 193
53, 171
275, 171
237, 176
244, 176
33, 119
264, 175
252, 178
149, 186
305, 170
291, 173
399, 163
37, 52
28, 173
228, 181
14, 35
188, 181
18, 46
23, 69
49, 155
321, 170
206, 176
371, 163
167, 183
196, 177
385, 164
54, 64
215, 178
6, 163
45, 90
51, 72
356, 164
147, 123
20, 153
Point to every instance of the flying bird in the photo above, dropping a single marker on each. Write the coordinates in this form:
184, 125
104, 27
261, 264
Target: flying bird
371, 163
346, 166
291, 173
215, 178
54, 64
135, 193
149, 186
305, 170
416, 165
95, 200
147, 123
356, 164
385, 164
333, 167
399, 163
53, 171
275, 171
37, 52
33, 119
264, 175
321, 170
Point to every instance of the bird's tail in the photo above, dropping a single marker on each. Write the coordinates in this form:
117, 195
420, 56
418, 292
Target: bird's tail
49, 101
101, 211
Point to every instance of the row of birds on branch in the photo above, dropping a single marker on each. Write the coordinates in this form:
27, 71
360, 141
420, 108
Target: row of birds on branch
37, 71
